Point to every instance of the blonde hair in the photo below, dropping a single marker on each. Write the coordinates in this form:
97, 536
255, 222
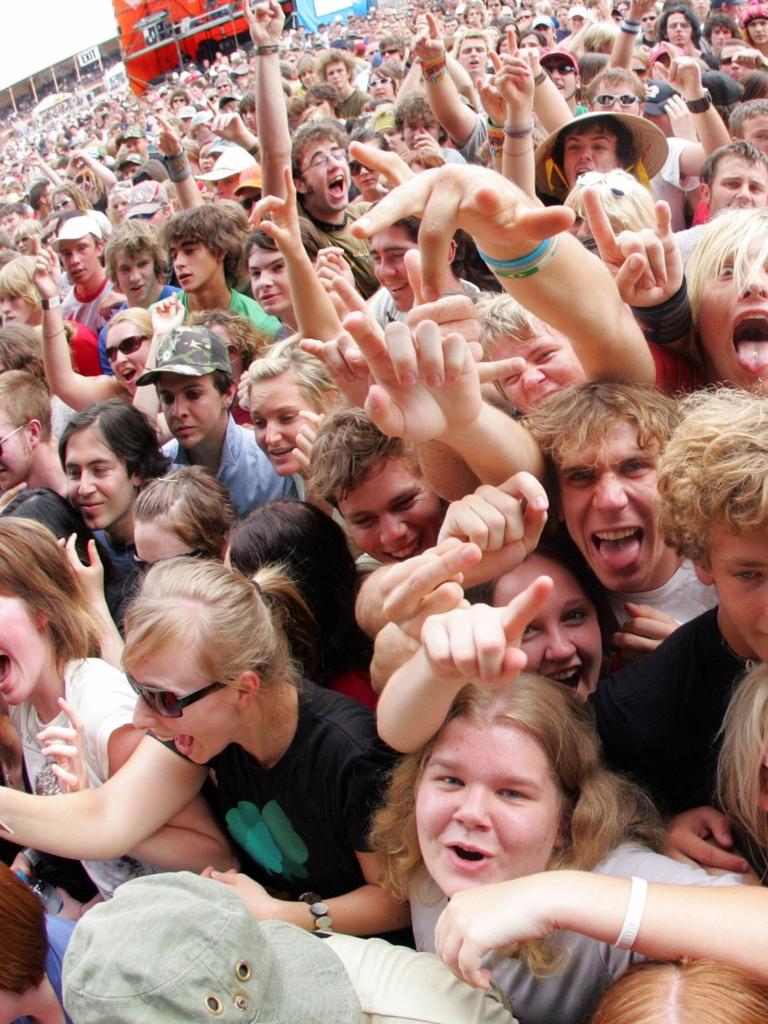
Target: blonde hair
191, 503
598, 36
34, 569
579, 416
487, 35
24, 396
229, 624
690, 992
502, 316
601, 810
311, 376
137, 317
739, 767
27, 229
714, 470
634, 210
17, 281
724, 247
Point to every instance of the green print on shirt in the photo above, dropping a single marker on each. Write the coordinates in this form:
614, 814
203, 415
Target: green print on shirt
269, 838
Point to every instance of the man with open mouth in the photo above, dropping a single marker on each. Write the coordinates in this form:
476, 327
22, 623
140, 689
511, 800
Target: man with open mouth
322, 179
604, 440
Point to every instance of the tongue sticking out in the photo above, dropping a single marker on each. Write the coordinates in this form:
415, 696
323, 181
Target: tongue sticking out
753, 355
620, 553
751, 342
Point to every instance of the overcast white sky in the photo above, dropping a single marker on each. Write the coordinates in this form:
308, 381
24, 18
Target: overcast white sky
37, 33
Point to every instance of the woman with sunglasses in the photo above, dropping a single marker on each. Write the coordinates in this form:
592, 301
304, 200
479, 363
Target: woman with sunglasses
128, 337
50, 679
298, 768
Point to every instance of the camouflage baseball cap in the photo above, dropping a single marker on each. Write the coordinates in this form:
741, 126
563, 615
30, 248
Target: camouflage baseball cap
190, 352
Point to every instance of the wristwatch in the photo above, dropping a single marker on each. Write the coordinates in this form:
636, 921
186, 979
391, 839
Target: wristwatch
51, 303
700, 105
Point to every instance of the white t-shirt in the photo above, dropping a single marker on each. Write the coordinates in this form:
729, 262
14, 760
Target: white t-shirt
683, 596
104, 702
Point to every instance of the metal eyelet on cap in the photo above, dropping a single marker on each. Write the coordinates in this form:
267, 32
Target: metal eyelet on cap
243, 971
241, 1002
214, 1005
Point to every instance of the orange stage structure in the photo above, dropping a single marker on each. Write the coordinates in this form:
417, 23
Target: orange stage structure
156, 35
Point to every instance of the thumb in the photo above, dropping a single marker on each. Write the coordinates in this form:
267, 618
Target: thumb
383, 412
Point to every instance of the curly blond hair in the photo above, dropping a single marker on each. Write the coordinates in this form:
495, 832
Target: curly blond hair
579, 416
714, 470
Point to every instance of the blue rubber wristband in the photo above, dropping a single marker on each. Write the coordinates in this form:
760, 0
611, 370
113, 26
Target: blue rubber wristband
515, 264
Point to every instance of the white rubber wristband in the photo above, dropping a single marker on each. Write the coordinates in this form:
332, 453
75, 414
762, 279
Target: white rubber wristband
634, 915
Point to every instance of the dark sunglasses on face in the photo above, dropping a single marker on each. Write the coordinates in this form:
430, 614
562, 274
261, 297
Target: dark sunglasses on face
127, 346
561, 69
168, 704
355, 167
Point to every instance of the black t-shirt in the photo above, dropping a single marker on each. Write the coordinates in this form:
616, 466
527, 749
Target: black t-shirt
299, 823
658, 719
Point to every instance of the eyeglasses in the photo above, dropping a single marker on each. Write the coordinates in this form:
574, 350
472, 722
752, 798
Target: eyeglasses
561, 69
127, 346
63, 205
322, 159
627, 99
355, 167
615, 183
389, 53
7, 436
726, 60
168, 704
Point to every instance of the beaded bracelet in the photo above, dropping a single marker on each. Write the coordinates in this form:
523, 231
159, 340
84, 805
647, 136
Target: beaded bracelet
525, 266
518, 133
432, 60
267, 49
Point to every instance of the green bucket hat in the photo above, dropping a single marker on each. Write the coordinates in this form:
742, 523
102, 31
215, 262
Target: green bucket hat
176, 948
191, 352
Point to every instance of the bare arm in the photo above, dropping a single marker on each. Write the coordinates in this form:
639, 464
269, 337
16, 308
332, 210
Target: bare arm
725, 923
102, 172
478, 644
315, 314
367, 910
265, 22
99, 824
71, 387
685, 76
443, 96
170, 145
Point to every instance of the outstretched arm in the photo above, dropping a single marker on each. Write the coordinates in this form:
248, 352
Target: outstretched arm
71, 387
265, 22
443, 96
478, 645
726, 923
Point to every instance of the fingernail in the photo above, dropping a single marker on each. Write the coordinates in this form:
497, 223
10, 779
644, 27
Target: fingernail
408, 379
434, 380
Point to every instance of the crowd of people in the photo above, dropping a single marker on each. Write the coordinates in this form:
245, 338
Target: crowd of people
383, 511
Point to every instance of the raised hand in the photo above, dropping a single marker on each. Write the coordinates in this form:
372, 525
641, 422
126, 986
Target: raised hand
66, 745
47, 277
503, 221
481, 644
265, 22
168, 314
645, 264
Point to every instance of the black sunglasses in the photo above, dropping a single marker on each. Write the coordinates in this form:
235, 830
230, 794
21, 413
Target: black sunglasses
127, 346
168, 704
355, 167
561, 69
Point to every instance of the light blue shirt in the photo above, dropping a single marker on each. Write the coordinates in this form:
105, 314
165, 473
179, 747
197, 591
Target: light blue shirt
244, 470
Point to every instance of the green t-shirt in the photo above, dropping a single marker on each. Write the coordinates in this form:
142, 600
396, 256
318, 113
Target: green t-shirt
250, 309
